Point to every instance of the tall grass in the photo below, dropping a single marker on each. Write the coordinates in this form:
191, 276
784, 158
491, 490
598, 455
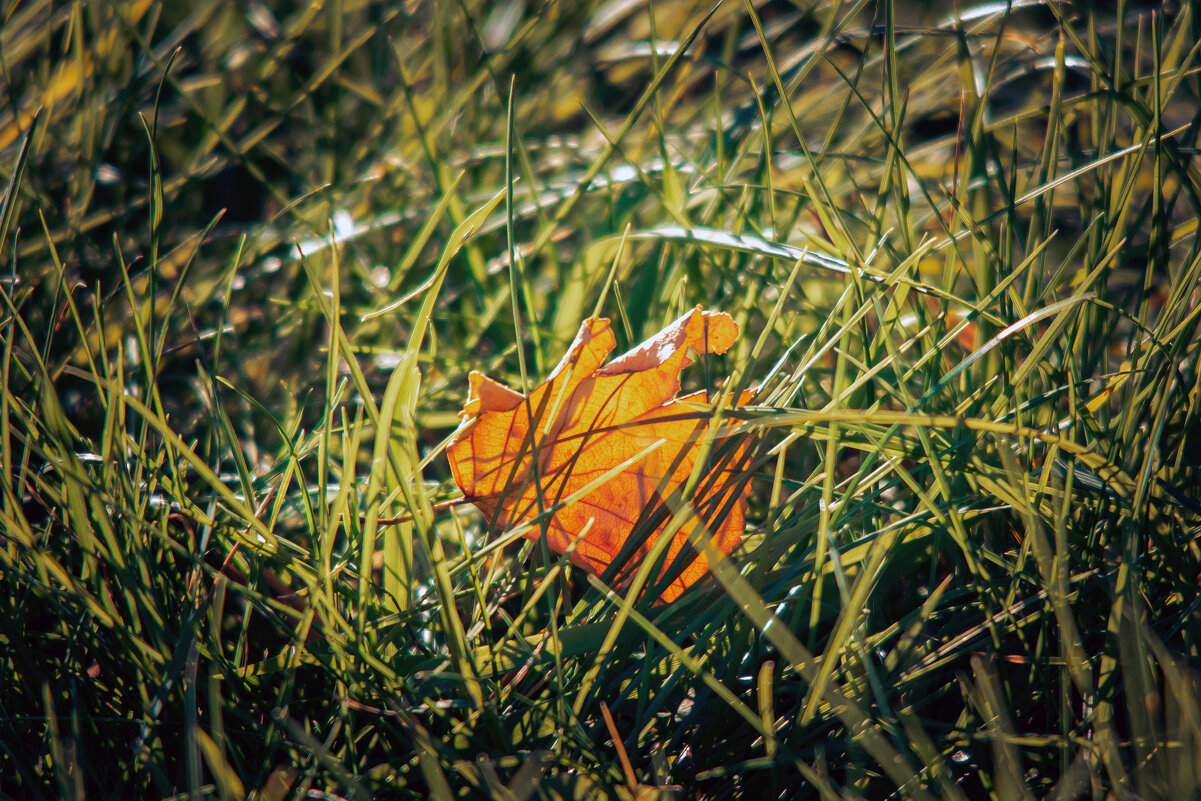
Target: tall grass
252, 252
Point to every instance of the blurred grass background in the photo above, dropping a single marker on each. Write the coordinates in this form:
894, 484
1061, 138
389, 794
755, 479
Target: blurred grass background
251, 251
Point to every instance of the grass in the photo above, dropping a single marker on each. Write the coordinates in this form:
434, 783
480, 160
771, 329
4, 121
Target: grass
252, 253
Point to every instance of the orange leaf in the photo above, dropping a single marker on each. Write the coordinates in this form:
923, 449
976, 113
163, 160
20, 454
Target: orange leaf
591, 417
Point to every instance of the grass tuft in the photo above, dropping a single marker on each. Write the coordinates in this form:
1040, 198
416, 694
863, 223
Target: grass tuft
253, 251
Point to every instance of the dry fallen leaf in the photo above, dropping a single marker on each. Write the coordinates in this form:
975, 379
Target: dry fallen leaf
590, 418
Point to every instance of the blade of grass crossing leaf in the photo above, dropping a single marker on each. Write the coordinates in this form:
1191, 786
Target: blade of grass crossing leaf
526, 526
517, 280
999, 730
650, 563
